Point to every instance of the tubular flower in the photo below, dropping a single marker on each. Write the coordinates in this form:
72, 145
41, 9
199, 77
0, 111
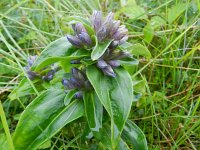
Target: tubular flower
82, 38
111, 60
108, 28
31, 74
77, 81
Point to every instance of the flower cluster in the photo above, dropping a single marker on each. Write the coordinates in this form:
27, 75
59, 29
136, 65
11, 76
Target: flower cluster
34, 75
78, 81
105, 29
108, 28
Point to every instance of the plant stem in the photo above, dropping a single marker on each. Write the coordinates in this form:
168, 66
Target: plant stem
5, 126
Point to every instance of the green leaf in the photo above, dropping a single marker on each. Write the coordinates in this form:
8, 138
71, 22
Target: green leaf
175, 11
115, 94
45, 145
69, 97
93, 110
140, 50
43, 118
59, 50
53, 53
99, 49
24, 88
148, 33
134, 135
3, 142
104, 136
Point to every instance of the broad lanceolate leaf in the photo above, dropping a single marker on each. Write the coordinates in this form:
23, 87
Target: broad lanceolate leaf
134, 135
59, 48
115, 94
43, 118
93, 110
99, 49
69, 96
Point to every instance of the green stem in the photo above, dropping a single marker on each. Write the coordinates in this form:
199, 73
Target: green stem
5, 126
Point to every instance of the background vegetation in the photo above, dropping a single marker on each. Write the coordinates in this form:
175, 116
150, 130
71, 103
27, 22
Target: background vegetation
168, 110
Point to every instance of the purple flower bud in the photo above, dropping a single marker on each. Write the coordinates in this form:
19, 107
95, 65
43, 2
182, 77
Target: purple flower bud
78, 74
109, 71
109, 22
114, 63
96, 20
120, 33
78, 28
74, 41
101, 64
79, 84
32, 75
49, 75
67, 84
123, 40
78, 95
75, 62
102, 33
115, 27
85, 38
31, 60
114, 44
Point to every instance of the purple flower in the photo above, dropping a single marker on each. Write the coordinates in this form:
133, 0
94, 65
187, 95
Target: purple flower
78, 28
96, 20
109, 71
85, 38
114, 63
101, 64
75, 41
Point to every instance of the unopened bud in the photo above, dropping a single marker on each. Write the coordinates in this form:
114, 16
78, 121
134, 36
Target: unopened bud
101, 64
114, 63
32, 75
78, 74
115, 27
120, 33
78, 28
96, 20
109, 71
67, 84
74, 41
85, 38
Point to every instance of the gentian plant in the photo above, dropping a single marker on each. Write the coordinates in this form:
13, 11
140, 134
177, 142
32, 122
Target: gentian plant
81, 76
